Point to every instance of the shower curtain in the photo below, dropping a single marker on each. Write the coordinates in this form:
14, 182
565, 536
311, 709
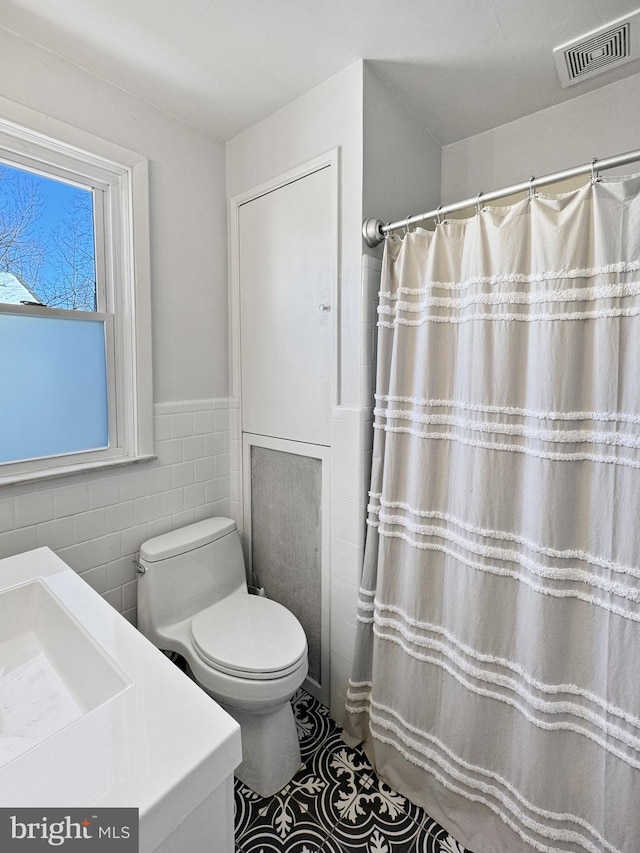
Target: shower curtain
496, 679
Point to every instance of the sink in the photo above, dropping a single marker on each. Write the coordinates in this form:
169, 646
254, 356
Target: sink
52, 673
92, 714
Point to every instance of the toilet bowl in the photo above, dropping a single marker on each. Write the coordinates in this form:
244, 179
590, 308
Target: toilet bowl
247, 652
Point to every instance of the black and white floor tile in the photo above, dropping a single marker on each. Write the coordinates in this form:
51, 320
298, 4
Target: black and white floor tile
335, 803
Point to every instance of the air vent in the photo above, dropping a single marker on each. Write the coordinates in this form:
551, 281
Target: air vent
598, 51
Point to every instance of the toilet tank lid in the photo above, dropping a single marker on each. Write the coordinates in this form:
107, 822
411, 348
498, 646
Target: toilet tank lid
185, 539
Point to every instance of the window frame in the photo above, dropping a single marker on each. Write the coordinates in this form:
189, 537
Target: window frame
119, 181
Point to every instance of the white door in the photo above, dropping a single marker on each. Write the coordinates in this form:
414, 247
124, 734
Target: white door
286, 246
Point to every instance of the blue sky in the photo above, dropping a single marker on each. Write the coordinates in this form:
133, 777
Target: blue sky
57, 200
56, 196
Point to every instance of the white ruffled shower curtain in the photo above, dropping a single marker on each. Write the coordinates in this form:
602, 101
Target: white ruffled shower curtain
497, 673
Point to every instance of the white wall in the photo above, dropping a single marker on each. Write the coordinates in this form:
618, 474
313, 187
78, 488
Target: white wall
188, 209
327, 117
402, 160
382, 148
597, 124
97, 522
402, 164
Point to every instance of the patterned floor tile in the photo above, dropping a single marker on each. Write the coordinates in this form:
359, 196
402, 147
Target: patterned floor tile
374, 841
329, 781
247, 807
313, 723
286, 822
303, 838
334, 804
378, 820
434, 839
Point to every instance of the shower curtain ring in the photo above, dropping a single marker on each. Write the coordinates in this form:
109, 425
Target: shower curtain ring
478, 203
407, 226
595, 177
532, 192
439, 215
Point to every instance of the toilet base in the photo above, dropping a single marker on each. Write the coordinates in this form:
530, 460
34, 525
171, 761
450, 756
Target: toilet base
270, 749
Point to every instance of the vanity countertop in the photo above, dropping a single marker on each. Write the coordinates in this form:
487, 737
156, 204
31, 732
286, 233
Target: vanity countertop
155, 741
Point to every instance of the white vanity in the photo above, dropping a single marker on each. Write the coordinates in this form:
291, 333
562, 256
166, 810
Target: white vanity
92, 714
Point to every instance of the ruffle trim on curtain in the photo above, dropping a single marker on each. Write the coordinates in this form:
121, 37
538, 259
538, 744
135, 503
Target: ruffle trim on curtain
494, 680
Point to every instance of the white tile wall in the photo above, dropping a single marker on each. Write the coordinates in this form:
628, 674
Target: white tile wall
235, 435
96, 523
351, 448
349, 478
371, 272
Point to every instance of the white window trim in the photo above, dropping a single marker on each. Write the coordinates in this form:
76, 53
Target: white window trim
123, 285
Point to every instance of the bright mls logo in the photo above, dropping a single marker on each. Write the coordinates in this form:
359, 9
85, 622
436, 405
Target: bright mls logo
70, 829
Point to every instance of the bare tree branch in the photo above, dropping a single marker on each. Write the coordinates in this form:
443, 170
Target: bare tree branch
58, 264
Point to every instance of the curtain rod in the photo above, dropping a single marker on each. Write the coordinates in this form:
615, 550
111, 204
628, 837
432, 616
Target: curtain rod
374, 230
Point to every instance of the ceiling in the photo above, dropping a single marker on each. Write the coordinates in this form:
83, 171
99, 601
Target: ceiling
462, 66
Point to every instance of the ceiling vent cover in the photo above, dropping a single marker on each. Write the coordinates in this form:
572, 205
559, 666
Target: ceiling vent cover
598, 51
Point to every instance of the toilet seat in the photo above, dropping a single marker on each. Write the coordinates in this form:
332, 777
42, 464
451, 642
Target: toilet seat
247, 636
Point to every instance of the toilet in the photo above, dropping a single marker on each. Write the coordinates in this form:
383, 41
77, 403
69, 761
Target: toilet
247, 652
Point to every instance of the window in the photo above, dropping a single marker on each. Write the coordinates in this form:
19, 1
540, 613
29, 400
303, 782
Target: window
75, 387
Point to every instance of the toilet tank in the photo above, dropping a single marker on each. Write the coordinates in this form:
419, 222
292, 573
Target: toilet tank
186, 570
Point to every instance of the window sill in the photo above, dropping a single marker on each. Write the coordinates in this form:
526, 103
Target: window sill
78, 468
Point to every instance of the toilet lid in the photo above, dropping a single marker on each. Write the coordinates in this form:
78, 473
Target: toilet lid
249, 637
